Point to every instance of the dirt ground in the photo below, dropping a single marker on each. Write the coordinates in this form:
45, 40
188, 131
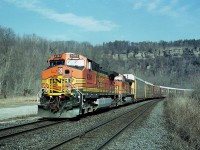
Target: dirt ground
17, 107
18, 101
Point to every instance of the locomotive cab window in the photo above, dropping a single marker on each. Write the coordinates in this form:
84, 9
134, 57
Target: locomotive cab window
56, 63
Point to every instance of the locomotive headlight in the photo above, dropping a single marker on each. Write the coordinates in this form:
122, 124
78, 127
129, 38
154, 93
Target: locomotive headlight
60, 70
68, 90
46, 90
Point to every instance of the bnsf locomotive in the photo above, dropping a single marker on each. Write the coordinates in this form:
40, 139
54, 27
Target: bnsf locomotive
73, 85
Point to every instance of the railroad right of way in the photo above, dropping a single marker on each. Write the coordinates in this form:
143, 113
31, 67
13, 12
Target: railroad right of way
45, 138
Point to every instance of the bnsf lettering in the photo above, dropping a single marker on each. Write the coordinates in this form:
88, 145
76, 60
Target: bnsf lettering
89, 76
55, 80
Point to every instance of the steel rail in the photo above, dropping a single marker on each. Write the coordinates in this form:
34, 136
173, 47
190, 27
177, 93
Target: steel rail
125, 127
28, 130
21, 125
95, 127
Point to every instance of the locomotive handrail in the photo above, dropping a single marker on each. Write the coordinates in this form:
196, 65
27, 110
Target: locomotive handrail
75, 88
39, 94
41, 91
81, 94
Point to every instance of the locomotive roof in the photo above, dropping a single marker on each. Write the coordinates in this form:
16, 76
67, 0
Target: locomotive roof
133, 77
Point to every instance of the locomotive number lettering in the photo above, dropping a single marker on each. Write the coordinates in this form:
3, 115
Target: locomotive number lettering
89, 77
74, 56
55, 80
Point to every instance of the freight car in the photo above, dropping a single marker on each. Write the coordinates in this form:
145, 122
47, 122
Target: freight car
170, 91
73, 84
141, 89
149, 90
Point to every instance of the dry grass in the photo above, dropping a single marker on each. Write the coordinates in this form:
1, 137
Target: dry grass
13, 101
183, 115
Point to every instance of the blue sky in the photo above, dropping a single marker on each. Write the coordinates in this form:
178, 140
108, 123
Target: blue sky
98, 21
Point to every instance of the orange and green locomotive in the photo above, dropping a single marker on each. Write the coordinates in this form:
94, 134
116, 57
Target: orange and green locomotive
73, 84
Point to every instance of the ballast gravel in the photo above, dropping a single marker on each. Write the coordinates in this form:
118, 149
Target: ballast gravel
151, 134
15, 122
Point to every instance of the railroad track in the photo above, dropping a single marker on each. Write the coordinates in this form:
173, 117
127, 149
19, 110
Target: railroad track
97, 137
24, 128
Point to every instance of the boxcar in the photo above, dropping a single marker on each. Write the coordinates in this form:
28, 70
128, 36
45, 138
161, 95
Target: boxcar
148, 90
157, 91
138, 86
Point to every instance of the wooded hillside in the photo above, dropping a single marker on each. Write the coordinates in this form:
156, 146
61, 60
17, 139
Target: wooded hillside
173, 63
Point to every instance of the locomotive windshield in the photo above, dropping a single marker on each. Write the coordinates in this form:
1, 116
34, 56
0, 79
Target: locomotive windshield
56, 63
79, 64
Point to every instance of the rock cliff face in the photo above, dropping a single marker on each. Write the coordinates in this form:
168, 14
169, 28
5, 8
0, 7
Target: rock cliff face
169, 52
168, 63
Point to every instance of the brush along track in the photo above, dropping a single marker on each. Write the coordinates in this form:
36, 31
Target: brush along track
99, 135
24, 128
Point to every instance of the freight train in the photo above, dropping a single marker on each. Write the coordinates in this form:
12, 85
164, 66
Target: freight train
73, 84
